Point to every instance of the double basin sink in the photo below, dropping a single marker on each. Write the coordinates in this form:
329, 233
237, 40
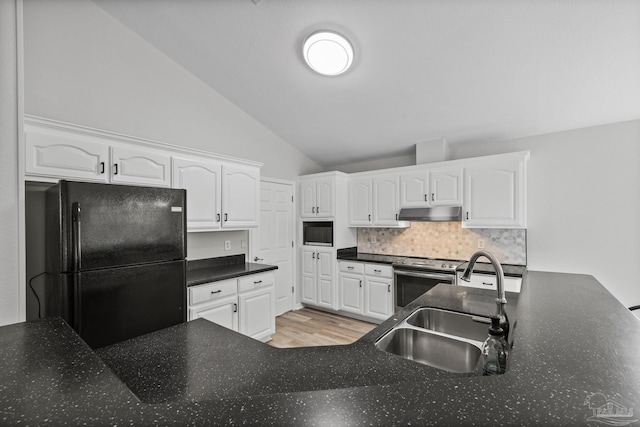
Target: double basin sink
443, 339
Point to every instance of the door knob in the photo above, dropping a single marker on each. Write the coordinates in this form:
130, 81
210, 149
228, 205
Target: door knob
258, 259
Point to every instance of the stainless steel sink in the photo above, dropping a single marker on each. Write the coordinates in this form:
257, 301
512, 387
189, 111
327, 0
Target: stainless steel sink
439, 338
438, 351
451, 323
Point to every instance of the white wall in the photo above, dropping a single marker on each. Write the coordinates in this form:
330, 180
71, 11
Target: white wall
84, 67
11, 295
583, 201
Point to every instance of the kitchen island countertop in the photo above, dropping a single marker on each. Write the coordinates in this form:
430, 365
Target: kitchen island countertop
575, 349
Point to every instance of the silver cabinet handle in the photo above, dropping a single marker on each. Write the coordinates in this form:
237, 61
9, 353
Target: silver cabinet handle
255, 258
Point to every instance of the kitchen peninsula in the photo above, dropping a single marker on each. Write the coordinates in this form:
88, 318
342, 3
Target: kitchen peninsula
575, 349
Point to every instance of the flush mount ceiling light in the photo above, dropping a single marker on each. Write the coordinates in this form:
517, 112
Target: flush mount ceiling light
328, 53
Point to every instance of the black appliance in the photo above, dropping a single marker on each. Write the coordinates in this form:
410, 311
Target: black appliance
413, 277
317, 233
115, 259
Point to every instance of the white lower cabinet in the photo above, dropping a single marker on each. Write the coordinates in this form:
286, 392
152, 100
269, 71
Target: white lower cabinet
318, 283
366, 289
245, 305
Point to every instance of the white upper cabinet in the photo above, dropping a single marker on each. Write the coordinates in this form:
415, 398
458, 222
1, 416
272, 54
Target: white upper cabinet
240, 196
495, 192
203, 181
375, 201
386, 199
317, 197
414, 189
140, 166
56, 154
360, 202
440, 186
446, 186
222, 193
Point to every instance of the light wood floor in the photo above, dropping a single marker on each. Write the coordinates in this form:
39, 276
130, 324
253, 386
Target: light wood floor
308, 328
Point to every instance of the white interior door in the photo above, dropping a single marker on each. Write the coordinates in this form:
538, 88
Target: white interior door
272, 242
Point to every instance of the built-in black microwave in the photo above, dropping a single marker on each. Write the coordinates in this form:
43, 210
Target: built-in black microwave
317, 233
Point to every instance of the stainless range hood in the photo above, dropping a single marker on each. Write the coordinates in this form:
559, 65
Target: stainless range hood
438, 213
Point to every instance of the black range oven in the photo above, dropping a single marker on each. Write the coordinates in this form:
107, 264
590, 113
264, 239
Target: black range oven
415, 276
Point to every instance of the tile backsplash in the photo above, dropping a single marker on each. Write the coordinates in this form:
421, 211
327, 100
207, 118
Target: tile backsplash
444, 240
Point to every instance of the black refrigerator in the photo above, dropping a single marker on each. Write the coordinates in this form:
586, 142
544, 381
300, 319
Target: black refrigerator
115, 259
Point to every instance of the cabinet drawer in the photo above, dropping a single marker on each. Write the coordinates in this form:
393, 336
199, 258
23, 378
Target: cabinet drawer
255, 281
489, 281
212, 291
352, 267
378, 270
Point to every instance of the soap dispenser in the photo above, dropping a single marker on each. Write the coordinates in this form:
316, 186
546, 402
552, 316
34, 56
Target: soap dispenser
495, 350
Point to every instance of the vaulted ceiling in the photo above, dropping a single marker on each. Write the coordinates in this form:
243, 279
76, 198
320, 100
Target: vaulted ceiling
465, 70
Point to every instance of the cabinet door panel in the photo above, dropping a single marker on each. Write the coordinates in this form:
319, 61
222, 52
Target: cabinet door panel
446, 188
325, 197
308, 198
385, 200
202, 181
494, 195
240, 196
224, 313
414, 188
257, 313
379, 299
137, 166
360, 202
351, 293
66, 156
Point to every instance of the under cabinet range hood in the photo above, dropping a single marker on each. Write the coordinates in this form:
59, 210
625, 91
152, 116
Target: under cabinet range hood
435, 214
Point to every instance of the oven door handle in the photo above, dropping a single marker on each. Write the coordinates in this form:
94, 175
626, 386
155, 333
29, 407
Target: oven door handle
446, 277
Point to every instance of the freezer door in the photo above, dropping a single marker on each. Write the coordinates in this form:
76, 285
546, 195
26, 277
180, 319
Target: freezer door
117, 304
121, 225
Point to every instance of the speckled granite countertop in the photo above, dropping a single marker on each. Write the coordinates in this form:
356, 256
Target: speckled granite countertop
222, 268
573, 339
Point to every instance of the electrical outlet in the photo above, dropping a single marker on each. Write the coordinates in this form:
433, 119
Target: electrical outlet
227, 245
374, 239
480, 243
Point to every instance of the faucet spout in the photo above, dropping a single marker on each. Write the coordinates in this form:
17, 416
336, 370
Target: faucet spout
501, 299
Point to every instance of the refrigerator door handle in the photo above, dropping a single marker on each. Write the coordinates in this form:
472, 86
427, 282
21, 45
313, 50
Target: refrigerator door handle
77, 248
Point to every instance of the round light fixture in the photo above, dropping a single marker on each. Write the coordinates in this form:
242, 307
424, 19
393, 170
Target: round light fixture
328, 53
